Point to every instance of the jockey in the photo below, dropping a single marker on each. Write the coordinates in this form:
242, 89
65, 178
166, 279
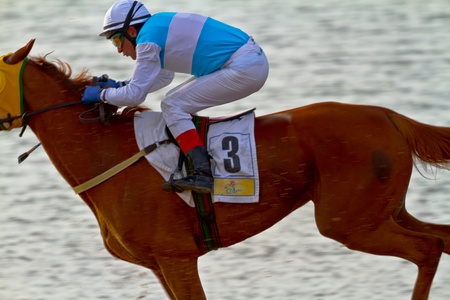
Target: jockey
226, 64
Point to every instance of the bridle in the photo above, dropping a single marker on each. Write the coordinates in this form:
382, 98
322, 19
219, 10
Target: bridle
103, 118
32, 113
26, 115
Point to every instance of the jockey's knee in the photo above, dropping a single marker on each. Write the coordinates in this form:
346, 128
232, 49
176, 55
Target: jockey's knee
170, 110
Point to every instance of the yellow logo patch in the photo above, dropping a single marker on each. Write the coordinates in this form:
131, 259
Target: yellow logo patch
234, 187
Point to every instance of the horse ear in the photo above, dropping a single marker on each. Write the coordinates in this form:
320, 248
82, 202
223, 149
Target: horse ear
20, 54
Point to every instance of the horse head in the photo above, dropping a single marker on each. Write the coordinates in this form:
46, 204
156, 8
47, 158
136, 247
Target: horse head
11, 95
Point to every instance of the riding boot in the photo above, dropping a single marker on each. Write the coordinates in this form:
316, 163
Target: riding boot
201, 179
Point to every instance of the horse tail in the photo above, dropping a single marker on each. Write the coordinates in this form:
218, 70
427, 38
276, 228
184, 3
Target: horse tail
430, 144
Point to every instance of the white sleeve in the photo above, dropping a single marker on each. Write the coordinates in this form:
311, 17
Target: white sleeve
147, 77
164, 78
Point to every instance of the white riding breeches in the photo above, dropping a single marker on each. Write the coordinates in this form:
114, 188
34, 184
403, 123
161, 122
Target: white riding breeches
243, 74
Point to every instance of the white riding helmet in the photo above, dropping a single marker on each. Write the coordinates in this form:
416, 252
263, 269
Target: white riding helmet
122, 14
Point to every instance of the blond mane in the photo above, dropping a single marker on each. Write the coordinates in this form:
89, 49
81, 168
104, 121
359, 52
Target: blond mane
62, 70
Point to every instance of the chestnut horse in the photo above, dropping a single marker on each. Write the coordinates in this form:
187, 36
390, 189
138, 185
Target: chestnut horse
353, 162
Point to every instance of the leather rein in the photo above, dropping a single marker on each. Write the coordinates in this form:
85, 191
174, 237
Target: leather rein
103, 114
32, 113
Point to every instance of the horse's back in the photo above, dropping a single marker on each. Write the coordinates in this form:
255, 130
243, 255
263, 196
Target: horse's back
332, 126
356, 153
352, 138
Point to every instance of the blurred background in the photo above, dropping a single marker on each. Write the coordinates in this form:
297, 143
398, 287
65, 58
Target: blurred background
392, 53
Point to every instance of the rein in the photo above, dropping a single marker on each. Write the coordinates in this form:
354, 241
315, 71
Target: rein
42, 110
104, 114
103, 118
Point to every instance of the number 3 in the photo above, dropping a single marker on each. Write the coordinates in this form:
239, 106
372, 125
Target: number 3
233, 163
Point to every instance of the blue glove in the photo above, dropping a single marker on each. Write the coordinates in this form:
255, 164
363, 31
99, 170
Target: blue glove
104, 81
109, 83
91, 95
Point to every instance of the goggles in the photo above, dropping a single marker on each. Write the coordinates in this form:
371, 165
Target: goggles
117, 40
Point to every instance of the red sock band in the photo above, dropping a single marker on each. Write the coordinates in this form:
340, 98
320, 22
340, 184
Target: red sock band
188, 140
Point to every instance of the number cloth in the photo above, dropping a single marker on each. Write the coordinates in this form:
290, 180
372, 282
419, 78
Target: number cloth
231, 145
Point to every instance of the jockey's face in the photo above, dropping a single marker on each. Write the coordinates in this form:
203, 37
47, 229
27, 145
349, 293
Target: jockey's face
127, 48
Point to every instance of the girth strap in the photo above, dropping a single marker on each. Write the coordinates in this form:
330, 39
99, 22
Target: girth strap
117, 168
203, 202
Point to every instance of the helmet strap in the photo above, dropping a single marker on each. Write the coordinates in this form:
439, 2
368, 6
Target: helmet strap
127, 22
131, 39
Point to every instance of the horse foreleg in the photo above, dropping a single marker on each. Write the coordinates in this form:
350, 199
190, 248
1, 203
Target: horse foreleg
407, 221
164, 283
180, 278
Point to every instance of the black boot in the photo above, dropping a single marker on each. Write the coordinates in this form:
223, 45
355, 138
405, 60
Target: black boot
201, 179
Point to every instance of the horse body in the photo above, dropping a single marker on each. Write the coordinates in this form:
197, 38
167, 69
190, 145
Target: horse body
354, 162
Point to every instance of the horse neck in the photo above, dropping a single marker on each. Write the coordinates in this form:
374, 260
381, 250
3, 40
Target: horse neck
72, 146
43, 89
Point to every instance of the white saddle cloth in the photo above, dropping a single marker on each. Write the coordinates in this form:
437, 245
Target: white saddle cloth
231, 145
